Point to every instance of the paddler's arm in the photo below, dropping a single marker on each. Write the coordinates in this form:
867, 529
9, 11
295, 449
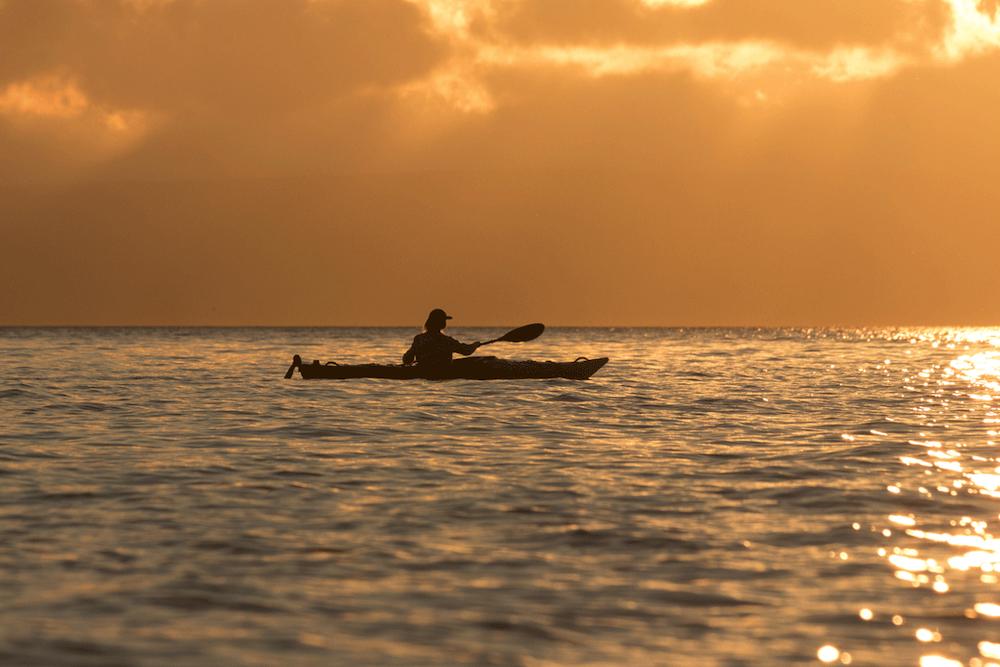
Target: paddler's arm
410, 355
466, 348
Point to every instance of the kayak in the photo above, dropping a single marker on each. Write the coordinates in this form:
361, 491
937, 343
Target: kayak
469, 368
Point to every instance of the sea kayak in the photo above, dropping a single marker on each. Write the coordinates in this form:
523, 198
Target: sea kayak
469, 368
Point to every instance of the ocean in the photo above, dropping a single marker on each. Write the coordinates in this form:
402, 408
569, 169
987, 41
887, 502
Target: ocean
714, 497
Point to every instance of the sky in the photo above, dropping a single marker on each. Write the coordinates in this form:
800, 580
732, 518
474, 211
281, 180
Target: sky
574, 162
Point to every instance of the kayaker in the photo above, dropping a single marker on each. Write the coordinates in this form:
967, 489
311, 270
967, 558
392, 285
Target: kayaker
432, 346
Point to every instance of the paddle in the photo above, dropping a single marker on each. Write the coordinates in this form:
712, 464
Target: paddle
520, 334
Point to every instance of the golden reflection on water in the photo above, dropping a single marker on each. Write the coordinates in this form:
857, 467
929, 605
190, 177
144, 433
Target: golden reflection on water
957, 398
940, 661
830, 653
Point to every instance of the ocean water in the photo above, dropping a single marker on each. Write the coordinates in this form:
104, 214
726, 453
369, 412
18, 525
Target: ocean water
710, 497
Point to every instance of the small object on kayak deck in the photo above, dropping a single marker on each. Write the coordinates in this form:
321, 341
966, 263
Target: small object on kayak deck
470, 368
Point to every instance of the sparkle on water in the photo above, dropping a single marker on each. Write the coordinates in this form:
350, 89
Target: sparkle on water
928, 531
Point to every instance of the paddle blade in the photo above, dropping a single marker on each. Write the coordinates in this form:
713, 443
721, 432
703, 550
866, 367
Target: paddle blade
523, 334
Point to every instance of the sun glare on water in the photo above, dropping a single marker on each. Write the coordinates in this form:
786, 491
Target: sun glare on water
955, 401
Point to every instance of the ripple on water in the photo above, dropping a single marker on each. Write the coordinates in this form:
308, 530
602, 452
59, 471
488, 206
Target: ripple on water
711, 497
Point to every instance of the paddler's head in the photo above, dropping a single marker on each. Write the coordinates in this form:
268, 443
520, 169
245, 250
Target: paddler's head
436, 321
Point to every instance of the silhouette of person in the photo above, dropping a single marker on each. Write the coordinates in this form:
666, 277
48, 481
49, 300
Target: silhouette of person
432, 346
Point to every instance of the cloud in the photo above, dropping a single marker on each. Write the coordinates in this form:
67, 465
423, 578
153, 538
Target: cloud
48, 96
818, 24
974, 30
52, 111
773, 44
386, 84
144, 65
262, 58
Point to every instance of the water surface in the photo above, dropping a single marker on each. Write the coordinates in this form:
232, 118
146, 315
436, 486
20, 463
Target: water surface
710, 497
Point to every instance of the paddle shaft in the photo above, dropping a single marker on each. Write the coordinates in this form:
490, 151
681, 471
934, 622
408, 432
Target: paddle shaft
519, 335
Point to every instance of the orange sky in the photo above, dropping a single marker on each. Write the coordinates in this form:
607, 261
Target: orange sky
574, 162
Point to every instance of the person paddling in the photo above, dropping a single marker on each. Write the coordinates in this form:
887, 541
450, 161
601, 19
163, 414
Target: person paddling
432, 346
